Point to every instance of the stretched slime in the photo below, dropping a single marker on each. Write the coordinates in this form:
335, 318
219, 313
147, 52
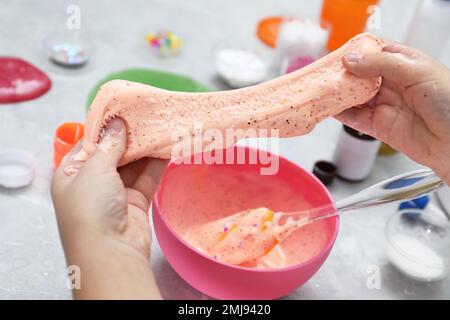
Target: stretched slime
157, 119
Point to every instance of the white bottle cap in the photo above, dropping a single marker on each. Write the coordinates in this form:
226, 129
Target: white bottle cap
17, 168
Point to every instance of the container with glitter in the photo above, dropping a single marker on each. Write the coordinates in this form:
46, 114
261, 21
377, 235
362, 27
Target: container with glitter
69, 50
164, 43
68, 54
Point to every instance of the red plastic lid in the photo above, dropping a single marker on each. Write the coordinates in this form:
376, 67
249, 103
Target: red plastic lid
20, 81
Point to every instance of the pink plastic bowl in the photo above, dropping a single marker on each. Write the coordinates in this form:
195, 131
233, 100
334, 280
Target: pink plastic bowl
224, 281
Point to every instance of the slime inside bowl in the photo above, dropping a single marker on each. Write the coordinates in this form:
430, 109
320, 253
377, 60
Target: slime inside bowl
192, 194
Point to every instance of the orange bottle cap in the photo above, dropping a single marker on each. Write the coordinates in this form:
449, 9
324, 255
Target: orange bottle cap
66, 137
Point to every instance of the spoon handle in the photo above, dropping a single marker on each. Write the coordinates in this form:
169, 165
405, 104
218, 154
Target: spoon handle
403, 187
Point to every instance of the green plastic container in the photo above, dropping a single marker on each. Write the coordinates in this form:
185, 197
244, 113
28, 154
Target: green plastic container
155, 78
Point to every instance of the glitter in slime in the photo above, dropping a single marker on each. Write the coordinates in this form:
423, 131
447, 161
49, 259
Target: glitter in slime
244, 237
157, 119
231, 190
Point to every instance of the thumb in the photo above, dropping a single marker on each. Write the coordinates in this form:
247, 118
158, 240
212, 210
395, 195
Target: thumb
392, 66
112, 146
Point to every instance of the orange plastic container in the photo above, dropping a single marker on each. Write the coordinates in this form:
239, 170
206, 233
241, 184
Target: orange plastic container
267, 30
344, 19
66, 137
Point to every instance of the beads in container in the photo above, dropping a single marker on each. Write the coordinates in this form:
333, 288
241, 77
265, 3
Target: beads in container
164, 43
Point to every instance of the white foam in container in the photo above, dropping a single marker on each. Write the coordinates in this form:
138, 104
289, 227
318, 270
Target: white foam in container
17, 168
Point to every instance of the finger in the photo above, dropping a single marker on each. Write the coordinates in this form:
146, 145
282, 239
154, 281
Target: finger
130, 172
358, 118
395, 67
388, 95
149, 179
67, 165
384, 122
395, 47
137, 199
112, 146
68, 158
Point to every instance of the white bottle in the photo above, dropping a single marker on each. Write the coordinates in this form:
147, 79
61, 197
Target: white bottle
355, 154
429, 28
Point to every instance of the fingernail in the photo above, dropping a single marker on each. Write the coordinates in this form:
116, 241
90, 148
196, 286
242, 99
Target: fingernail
115, 125
353, 57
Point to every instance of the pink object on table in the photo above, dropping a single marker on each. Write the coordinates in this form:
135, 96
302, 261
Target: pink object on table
298, 63
21, 81
189, 193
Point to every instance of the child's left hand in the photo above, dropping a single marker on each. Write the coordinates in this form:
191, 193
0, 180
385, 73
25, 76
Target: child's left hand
102, 216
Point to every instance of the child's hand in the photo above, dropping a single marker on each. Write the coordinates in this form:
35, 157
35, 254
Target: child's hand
411, 112
102, 218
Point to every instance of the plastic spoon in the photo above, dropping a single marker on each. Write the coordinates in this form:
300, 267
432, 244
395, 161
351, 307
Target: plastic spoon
251, 234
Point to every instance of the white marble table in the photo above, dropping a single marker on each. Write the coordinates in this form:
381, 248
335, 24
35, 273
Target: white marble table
31, 259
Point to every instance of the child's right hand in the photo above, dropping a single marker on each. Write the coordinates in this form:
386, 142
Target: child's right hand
411, 112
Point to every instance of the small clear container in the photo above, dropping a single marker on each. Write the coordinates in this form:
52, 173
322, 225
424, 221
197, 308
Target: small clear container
417, 243
69, 49
240, 64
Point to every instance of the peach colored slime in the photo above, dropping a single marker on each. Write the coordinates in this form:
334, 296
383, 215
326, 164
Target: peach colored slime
232, 190
157, 119
244, 237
